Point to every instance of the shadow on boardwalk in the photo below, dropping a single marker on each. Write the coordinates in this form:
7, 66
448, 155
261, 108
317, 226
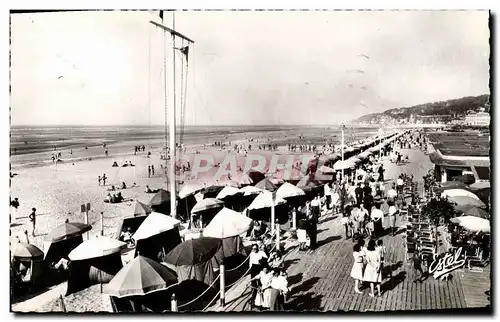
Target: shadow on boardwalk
305, 302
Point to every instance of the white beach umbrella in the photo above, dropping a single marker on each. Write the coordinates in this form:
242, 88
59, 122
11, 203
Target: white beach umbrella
265, 200
96, 247
460, 192
206, 204
472, 223
288, 190
325, 169
250, 190
155, 224
227, 223
339, 165
227, 191
190, 188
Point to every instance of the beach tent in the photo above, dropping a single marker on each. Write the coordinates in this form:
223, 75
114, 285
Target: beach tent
160, 202
32, 257
192, 259
158, 233
54, 251
205, 210
128, 223
94, 261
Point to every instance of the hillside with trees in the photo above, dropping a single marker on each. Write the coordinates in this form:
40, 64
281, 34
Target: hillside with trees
454, 108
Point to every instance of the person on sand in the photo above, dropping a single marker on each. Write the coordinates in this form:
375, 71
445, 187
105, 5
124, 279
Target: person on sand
32, 218
99, 179
104, 179
153, 170
148, 190
124, 186
15, 204
149, 171
108, 198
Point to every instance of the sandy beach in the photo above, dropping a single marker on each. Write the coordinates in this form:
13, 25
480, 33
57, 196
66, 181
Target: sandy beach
57, 190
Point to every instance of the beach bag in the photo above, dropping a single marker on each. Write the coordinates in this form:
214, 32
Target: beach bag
259, 298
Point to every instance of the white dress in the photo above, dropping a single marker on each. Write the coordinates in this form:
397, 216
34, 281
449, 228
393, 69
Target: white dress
372, 271
357, 267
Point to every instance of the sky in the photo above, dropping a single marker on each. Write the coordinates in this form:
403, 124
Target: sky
316, 67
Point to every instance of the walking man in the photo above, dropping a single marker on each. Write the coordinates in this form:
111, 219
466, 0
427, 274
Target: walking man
149, 171
104, 179
417, 267
153, 170
32, 218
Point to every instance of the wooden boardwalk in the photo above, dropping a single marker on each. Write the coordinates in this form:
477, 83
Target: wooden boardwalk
320, 280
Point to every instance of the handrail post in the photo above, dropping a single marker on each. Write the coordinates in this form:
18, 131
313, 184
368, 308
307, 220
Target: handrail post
222, 278
173, 304
277, 235
102, 224
294, 219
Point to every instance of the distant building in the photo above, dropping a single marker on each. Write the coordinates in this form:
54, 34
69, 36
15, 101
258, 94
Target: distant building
479, 119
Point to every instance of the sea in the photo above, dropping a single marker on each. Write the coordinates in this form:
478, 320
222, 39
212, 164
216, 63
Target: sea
36, 139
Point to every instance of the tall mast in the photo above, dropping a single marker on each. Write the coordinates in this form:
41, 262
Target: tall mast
171, 110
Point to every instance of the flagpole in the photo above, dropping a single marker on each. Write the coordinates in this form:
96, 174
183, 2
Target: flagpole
342, 149
172, 127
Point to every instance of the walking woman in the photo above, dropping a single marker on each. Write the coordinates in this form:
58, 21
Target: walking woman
373, 272
255, 261
357, 267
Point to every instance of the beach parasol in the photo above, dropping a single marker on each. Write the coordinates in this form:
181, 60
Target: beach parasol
326, 170
307, 184
465, 178
141, 209
193, 251
265, 200
250, 190
472, 211
227, 223
339, 165
453, 185
288, 190
243, 179
205, 204
96, 247
227, 191
266, 184
190, 188
140, 277
27, 251
467, 201
460, 192
159, 198
472, 223
480, 185
256, 176
156, 223
68, 230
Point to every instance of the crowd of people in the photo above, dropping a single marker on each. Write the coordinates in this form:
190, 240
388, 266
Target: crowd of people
268, 279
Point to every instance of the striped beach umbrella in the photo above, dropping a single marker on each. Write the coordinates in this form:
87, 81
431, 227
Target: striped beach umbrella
140, 277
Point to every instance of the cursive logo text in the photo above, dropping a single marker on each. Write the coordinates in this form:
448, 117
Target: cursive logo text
447, 264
